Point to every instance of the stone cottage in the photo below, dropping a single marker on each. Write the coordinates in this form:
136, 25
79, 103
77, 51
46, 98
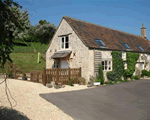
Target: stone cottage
82, 44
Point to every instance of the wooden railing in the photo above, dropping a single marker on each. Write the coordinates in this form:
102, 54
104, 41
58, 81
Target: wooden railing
61, 75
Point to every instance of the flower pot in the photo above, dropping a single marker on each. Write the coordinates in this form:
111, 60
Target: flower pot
97, 83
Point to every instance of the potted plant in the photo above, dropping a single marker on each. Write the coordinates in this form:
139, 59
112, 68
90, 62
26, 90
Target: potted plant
97, 82
24, 76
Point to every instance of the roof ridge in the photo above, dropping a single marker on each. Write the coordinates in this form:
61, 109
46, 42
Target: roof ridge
103, 26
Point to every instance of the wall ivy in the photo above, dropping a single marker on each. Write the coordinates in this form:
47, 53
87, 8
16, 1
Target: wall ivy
118, 66
131, 62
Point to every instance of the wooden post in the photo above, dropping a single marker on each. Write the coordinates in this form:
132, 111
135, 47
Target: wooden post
37, 76
57, 75
31, 76
68, 73
80, 72
44, 77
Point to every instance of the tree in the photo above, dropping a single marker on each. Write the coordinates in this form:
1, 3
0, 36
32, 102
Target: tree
12, 23
44, 31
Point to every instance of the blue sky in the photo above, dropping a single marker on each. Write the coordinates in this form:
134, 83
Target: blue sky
124, 15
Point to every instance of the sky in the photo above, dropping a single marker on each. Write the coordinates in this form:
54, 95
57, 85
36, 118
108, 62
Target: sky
123, 15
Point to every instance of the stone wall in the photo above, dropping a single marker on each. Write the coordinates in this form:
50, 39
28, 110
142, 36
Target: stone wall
83, 56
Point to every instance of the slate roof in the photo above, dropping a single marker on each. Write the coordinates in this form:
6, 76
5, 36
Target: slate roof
113, 39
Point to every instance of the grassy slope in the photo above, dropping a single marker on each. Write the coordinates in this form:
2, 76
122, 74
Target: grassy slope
31, 48
27, 62
25, 58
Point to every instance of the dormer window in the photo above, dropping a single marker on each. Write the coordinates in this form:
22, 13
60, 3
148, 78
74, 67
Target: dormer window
64, 42
100, 42
140, 48
126, 46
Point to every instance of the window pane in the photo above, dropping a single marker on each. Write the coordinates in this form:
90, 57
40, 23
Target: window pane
103, 67
105, 62
102, 62
67, 40
67, 45
62, 43
63, 40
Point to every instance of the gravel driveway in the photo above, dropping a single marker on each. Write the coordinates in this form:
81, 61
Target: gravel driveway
30, 103
124, 101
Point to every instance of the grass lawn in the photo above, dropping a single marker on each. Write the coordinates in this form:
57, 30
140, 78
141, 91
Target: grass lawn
27, 62
31, 47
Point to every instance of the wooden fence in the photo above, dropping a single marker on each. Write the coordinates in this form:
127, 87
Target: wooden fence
61, 75
48, 75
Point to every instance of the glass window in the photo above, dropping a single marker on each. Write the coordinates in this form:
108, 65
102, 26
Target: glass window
65, 42
55, 65
123, 54
107, 66
125, 45
140, 48
100, 42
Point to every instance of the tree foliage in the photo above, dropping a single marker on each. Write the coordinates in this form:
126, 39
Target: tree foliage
11, 21
44, 31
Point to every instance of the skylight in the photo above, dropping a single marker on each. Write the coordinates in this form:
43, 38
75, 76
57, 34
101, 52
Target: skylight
125, 45
140, 48
100, 42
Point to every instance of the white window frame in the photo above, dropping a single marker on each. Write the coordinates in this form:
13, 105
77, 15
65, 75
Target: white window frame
123, 54
64, 44
106, 67
142, 66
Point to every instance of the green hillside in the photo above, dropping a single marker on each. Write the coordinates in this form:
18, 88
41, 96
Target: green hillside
25, 58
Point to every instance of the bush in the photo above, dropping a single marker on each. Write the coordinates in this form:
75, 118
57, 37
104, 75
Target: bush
144, 73
136, 77
100, 74
132, 77
109, 82
97, 80
71, 80
125, 80
120, 80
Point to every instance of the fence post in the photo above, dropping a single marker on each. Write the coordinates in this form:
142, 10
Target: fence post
80, 72
57, 75
37, 76
31, 76
44, 77
69, 73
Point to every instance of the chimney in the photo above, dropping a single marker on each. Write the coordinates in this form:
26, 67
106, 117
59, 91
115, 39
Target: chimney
143, 32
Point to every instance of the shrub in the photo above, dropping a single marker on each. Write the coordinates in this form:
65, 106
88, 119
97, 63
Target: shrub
109, 82
120, 80
71, 80
100, 74
136, 77
144, 73
132, 77
125, 80
97, 80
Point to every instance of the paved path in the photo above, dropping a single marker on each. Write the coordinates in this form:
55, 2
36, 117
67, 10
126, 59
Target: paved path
124, 101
